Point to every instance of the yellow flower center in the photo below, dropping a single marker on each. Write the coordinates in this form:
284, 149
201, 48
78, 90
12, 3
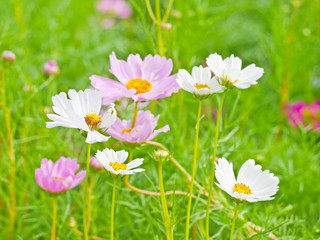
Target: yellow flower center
127, 130
118, 166
242, 188
93, 120
200, 86
140, 85
59, 178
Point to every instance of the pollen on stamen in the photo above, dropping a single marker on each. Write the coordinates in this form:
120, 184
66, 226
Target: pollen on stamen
59, 178
118, 166
126, 130
93, 120
200, 86
140, 85
242, 188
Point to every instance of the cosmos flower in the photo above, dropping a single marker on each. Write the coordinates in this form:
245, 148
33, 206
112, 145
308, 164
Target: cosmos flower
51, 68
143, 130
252, 184
229, 73
304, 114
141, 80
200, 83
59, 176
82, 111
8, 56
118, 8
114, 162
95, 163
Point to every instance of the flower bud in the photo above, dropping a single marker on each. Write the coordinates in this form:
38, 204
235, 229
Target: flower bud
161, 155
51, 68
94, 162
8, 56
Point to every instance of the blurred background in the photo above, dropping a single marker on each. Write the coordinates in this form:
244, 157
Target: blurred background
280, 36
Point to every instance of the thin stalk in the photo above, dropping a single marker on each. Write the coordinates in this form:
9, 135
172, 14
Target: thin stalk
159, 34
85, 230
54, 218
11, 155
165, 212
234, 220
89, 201
134, 115
112, 207
213, 166
151, 14
195, 153
168, 11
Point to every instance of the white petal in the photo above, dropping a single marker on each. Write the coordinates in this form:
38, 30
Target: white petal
233, 63
94, 136
109, 117
121, 156
224, 174
185, 80
250, 74
216, 64
135, 163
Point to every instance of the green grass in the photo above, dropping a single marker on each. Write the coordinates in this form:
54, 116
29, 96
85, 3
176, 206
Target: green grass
275, 35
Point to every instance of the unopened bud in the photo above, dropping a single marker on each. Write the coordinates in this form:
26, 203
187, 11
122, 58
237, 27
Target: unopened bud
51, 68
72, 222
8, 56
161, 155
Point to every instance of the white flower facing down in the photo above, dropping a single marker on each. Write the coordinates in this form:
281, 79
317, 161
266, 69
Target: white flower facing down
229, 73
82, 111
200, 82
252, 184
114, 162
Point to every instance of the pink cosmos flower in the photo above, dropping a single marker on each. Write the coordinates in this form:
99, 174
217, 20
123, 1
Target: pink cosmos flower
94, 162
51, 68
8, 55
303, 114
142, 131
59, 176
119, 8
141, 80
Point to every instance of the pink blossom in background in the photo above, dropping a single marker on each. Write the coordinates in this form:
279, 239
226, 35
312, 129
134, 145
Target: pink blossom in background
51, 68
108, 23
8, 56
143, 130
59, 176
119, 8
141, 80
95, 163
304, 114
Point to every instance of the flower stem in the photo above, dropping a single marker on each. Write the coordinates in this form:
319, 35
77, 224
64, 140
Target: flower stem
11, 155
166, 217
213, 166
158, 15
54, 218
234, 220
193, 169
134, 115
85, 230
112, 207
150, 11
167, 11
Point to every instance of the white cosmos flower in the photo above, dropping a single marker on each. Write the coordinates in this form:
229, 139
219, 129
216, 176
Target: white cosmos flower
82, 111
229, 73
114, 162
200, 82
252, 184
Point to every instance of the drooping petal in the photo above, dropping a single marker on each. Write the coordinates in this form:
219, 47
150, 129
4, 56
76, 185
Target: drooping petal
224, 174
95, 136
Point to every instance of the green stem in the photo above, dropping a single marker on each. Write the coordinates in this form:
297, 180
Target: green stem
234, 220
166, 217
151, 14
160, 43
213, 166
193, 169
134, 115
85, 230
168, 11
11, 155
112, 207
54, 218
